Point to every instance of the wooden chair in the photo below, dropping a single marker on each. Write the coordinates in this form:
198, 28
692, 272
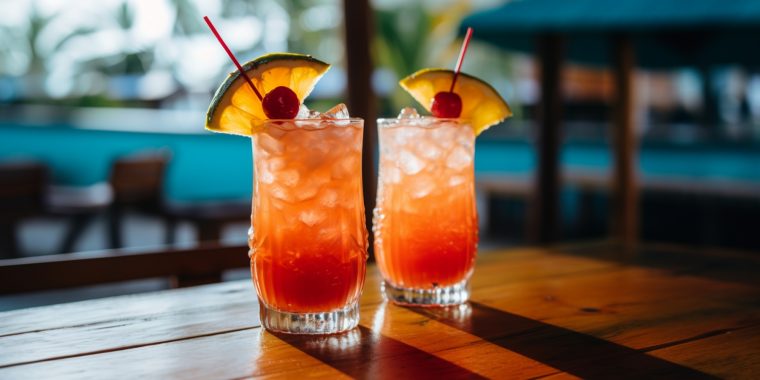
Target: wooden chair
138, 184
135, 183
187, 267
22, 195
209, 218
79, 204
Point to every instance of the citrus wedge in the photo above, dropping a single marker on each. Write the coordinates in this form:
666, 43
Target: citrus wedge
236, 109
481, 104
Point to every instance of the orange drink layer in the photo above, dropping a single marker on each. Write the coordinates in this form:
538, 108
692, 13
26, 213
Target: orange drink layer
425, 222
308, 241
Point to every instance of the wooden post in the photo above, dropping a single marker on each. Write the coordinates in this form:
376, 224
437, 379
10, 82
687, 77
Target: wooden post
545, 205
625, 197
357, 18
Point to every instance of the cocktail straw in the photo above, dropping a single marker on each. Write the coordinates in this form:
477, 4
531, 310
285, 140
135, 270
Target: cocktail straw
462, 52
232, 57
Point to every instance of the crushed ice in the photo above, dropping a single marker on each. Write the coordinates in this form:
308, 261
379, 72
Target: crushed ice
340, 111
303, 112
408, 113
421, 186
312, 217
410, 164
459, 159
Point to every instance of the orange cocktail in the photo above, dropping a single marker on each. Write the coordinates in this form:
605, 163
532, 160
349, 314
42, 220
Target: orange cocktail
308, 240
425, 223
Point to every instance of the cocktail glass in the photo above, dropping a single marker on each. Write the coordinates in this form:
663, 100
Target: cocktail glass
425, 221
308, 240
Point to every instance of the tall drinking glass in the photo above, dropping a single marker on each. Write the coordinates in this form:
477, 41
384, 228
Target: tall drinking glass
308, 240
425, 221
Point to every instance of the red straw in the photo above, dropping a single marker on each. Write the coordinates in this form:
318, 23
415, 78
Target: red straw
232, 56
461, 57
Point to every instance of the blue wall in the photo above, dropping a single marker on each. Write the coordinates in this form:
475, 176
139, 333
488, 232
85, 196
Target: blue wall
217, 166
706, 162
204, 165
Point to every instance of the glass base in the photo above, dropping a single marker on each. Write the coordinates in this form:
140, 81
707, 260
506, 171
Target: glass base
450, 295
330, 322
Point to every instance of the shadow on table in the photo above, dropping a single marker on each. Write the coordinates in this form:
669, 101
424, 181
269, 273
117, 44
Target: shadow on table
363, 353
578, 354
713, 264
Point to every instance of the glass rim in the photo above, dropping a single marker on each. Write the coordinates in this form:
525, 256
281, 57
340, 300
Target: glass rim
307, 124
422, 122
349, 119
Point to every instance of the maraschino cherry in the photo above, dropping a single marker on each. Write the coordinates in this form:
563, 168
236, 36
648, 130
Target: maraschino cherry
280, 103
448, 104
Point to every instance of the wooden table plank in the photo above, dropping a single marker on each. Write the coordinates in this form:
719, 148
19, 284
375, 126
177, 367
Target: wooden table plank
638, 298
732, 354
129, 321
535, 313
468, 350
244, 353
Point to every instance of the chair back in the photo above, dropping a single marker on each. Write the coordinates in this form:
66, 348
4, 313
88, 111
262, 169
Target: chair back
139, 180
23, 187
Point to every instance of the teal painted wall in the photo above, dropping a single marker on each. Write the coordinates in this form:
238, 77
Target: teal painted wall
203, 166
216, 166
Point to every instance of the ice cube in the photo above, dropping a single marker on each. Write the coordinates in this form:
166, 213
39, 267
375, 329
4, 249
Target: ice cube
277, 131
329, 233
343, 134
466, 140
265, 176
276, 163
311, 217
459, 159
409, 163
340, 111
404, 136
303, 112
429, 150
328, 198
346, 167
280, 193
278, 204
456, 180
392, 174
305, 193
444, 135
421, 186
309, 187
408, 113
288, 177
269, 144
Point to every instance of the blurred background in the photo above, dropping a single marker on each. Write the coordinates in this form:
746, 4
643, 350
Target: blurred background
102, 106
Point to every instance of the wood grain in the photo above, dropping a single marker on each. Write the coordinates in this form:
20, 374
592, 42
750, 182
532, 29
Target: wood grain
561, 312
80, 269
545, 205
625, 194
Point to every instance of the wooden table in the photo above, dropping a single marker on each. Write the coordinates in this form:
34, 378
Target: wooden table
581, 311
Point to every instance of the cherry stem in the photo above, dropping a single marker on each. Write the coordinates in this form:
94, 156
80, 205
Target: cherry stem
232, 57
462, 52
